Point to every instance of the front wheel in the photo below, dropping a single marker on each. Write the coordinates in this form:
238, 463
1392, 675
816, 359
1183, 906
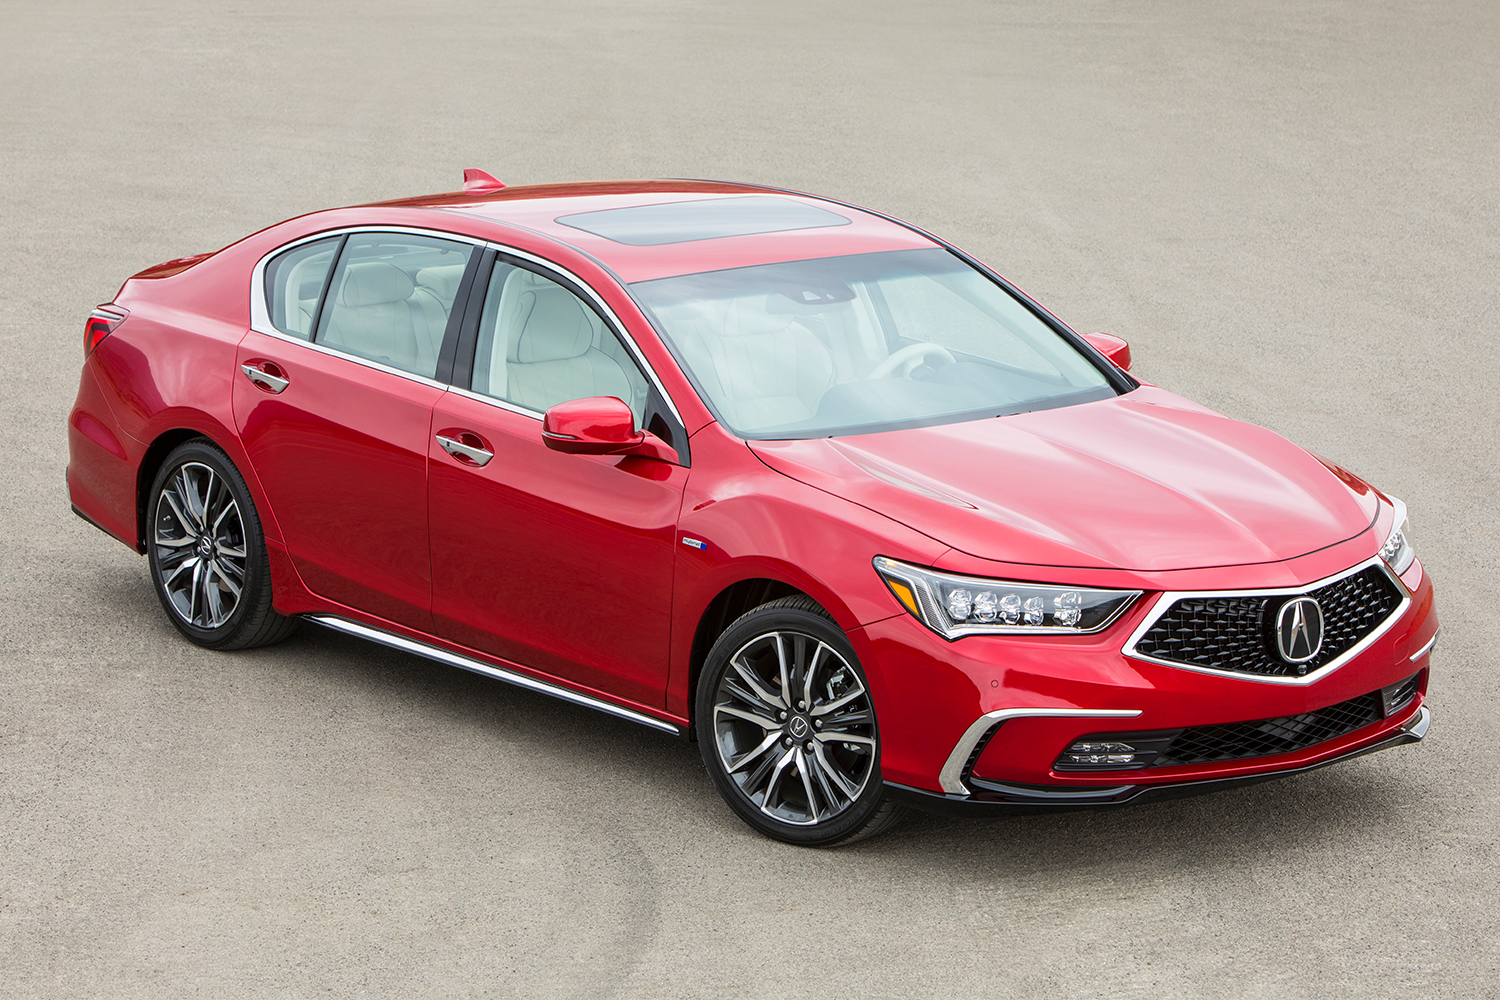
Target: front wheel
787, 728
207, 553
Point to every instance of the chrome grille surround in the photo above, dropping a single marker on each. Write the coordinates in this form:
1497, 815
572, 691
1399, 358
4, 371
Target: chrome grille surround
1166, 601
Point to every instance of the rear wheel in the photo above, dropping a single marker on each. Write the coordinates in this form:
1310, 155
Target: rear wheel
207, 552
787, 728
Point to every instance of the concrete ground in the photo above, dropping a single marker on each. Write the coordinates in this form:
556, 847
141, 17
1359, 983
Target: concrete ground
1289, 208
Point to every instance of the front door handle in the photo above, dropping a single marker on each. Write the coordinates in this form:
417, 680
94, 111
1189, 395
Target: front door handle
266, 374
469, 453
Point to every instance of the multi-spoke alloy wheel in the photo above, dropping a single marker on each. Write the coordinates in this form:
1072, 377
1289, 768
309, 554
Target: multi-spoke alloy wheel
208, 558
199, 539
788, 729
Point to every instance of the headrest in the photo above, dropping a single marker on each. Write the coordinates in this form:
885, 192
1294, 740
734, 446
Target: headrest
374, 282
749, 316
442, 280
553, 325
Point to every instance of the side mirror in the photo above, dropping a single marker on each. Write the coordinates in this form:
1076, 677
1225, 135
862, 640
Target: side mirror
1113, 348
600, 425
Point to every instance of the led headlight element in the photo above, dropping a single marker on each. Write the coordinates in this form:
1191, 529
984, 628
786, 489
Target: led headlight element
955, 606
1397, 550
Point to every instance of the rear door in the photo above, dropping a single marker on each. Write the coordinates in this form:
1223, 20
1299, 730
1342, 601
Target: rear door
334, 400
558, 562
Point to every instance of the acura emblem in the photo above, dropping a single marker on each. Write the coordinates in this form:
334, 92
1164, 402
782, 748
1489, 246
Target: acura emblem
1299, 630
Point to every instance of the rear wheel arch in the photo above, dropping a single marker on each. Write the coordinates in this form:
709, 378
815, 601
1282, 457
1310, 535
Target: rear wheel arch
220, 437
156, 453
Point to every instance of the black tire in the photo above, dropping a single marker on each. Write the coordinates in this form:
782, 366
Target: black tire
203, 540
808, 772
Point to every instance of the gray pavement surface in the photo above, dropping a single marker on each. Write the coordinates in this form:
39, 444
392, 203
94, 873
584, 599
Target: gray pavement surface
1289, 208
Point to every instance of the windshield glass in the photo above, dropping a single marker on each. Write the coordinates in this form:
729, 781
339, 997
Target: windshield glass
843, 345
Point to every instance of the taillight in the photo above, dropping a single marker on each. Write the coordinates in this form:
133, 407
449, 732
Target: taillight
102, 322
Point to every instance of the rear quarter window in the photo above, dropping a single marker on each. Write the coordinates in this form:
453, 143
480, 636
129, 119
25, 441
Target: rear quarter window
294, 286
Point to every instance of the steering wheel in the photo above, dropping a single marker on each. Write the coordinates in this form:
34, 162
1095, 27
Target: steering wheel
908, 357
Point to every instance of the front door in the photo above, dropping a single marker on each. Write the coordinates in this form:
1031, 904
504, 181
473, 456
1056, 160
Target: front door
562, 563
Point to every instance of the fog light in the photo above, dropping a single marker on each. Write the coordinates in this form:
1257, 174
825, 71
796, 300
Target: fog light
1099, 755
1114, 752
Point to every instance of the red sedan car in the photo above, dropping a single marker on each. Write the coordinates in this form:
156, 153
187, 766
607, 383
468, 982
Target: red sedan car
784, 476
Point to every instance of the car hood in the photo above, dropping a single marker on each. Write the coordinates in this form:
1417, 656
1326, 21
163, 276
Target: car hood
1147, 481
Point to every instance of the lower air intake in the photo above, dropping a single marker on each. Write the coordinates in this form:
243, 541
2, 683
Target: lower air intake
1235, 740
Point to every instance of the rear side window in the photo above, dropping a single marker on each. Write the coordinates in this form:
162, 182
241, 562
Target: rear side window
391, 299
294, 284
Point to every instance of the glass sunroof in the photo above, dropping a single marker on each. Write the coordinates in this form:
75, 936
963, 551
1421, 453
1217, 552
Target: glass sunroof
704, 219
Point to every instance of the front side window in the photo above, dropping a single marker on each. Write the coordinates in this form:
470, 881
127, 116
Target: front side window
391, 298
294, 284
861, 343
540, 345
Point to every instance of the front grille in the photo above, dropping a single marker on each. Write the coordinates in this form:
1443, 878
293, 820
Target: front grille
1237, 633
1241, 740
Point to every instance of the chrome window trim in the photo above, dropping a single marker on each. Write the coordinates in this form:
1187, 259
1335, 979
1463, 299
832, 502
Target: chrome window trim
1166, 599
497, 673
260, 314
497, 402
356, 359
951, 777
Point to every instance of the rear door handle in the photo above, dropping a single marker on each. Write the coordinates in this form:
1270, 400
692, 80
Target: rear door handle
466, 453
266, 374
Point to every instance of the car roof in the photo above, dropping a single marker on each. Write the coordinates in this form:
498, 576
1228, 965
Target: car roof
658, 228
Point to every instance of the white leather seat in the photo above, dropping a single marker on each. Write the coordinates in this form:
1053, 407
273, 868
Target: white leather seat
380, 314
442, 282
759, 367
548, 337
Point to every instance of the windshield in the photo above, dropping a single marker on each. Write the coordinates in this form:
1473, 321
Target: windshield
844, 345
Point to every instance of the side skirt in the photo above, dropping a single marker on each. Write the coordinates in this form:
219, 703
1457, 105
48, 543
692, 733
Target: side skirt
496, 673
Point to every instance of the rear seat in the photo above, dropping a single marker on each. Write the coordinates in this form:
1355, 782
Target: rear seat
380, 314
441, 282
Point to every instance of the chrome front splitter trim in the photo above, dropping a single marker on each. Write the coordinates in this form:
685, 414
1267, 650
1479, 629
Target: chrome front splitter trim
497, 673
995, 798
955, 769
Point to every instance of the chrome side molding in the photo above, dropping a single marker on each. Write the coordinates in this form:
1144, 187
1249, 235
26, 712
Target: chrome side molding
497, 673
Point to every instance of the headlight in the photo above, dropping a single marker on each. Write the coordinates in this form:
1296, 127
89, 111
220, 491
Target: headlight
1397, 550
954, 606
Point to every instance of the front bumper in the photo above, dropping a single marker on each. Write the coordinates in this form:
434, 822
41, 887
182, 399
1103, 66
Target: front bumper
992, 798
963, 721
